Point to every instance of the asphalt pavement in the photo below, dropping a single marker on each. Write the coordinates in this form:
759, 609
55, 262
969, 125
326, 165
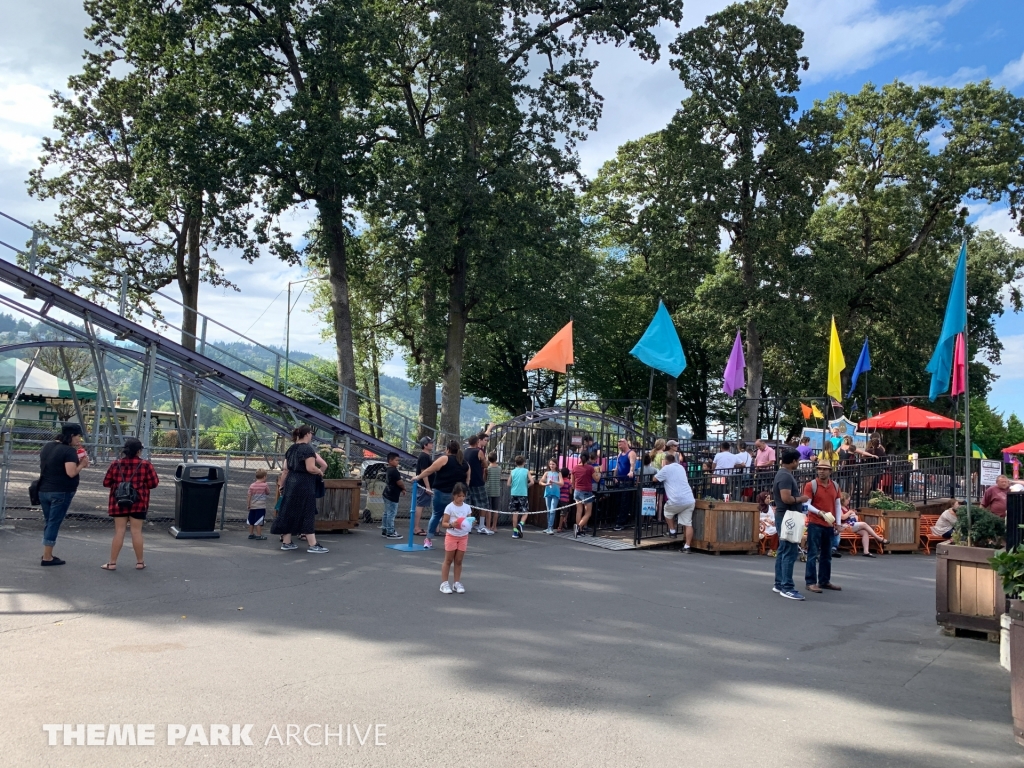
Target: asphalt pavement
557, 654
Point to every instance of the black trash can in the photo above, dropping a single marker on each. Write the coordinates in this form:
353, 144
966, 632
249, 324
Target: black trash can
1014, 519
197, 489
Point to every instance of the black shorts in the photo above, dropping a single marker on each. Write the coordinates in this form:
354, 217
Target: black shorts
519, 504
132, 515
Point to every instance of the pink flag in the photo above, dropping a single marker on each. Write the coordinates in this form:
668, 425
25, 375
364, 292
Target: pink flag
959, 366
734, 370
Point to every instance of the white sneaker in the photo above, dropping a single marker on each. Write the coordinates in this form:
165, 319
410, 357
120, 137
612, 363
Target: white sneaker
550, 531
488, 531
446, 588
482, 529
459, 588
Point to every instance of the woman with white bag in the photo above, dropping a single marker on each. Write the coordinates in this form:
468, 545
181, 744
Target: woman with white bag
790, 523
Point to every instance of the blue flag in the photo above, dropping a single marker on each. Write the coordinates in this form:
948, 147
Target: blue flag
863, 364
660, 347
941, 364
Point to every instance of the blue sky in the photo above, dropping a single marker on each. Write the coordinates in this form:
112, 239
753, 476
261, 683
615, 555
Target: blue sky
849, 42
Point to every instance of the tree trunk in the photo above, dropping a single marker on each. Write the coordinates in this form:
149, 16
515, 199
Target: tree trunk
428, 406
755, 375
333, 225
376, 386
188, 258
455, 345
671, 408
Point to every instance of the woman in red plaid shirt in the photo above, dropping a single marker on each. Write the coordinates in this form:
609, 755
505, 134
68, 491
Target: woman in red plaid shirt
140, 474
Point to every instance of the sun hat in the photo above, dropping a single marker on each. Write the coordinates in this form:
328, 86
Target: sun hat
824, 465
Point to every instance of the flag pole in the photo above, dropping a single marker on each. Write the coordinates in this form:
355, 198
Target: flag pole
647, 410
967, 415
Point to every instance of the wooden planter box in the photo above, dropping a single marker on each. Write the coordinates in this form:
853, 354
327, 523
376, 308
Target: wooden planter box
339, 510
720, 526
902, 529
968, 593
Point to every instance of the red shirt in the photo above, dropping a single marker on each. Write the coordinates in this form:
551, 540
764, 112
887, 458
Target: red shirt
825, 500
994, 500
142, 477
583, 477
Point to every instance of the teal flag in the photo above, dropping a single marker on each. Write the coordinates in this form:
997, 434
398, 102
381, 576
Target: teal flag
660, 347
941, 364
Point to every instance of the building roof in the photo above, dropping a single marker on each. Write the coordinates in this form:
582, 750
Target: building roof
40, 383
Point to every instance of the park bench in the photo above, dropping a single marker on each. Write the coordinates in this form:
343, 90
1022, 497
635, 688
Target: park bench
927, 537
853, 540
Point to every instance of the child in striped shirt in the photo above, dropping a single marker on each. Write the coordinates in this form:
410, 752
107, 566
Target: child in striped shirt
257, 505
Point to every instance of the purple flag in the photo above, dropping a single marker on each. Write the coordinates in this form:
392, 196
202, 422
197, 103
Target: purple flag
734, 369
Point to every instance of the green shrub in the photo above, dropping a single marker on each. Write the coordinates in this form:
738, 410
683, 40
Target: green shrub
986, 529
337, 468
879, 500
1010, 568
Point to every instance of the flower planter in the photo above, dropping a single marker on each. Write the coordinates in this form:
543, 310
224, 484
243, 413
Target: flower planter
968, 593
726, 526
338, 510
902, 529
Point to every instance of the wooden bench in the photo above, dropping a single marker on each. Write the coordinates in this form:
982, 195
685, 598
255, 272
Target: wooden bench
927, 537
853, 539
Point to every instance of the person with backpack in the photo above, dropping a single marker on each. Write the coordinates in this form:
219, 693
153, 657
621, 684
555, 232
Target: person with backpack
130, 479
824, 513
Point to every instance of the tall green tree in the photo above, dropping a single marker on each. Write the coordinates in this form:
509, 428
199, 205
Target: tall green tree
758, 167
884, 241
146, 164
495, 98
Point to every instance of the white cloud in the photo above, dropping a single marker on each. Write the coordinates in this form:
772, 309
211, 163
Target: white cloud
1012, 74
1011, 365
842, 38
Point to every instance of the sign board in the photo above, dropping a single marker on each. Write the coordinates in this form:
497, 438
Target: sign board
649, 502
990, 470
577, 440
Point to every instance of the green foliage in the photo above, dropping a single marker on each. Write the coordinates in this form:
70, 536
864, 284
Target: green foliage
985, 529
1009, 566
879, 500
336, 465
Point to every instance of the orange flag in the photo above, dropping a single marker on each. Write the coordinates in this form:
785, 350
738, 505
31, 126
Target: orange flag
806, 409
556, 354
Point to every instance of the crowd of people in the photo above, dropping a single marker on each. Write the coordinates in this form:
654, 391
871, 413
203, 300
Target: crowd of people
462, 488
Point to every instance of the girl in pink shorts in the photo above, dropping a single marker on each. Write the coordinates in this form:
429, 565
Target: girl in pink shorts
457, 523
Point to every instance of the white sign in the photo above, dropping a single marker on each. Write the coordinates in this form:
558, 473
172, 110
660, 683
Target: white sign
990, 470
649, 502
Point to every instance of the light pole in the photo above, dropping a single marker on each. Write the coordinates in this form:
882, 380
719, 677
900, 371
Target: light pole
288, 322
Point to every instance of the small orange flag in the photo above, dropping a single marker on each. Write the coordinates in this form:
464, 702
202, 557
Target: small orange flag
556, 354
806, 410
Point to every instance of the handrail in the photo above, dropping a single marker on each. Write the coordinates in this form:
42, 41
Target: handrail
344, 391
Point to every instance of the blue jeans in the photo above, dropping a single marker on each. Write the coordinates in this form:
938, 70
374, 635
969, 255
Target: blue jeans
835, 541
55, 507
390, 510
441, 500
785, 559
819, 547
552, 505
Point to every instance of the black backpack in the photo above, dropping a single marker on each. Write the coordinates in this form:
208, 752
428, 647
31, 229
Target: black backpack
124, 493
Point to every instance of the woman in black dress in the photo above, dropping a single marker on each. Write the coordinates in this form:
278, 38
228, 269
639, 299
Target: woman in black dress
302, 466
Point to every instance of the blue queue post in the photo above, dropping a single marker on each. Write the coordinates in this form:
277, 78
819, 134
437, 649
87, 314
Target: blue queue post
410, 545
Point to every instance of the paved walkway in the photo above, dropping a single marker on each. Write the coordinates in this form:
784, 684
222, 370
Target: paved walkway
557, 655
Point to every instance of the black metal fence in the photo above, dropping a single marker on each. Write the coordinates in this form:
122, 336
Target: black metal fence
620, 506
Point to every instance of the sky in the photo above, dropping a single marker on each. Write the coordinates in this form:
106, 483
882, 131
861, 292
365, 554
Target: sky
848, 43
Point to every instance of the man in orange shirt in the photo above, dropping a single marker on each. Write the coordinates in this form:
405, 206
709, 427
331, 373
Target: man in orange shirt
823, 516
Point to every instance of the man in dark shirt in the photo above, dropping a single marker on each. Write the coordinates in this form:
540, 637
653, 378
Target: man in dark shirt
423, 500
392, 492
60, 463
786, 495
476, 458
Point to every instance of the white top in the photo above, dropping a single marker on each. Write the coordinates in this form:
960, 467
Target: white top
677, 485
743, 459
724, 460
454, 512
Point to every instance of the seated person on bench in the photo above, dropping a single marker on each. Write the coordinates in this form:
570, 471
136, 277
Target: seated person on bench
947, 522
852, 524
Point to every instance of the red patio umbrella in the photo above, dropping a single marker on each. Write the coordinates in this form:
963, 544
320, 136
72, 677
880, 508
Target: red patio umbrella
909, 417
1018, 448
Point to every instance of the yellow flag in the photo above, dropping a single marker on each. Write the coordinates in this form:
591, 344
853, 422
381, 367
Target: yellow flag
836, 364
816, 411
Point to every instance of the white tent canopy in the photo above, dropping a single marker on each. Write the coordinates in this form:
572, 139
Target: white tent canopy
40, 383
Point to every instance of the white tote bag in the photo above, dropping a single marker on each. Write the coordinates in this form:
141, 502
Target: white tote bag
793, 526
